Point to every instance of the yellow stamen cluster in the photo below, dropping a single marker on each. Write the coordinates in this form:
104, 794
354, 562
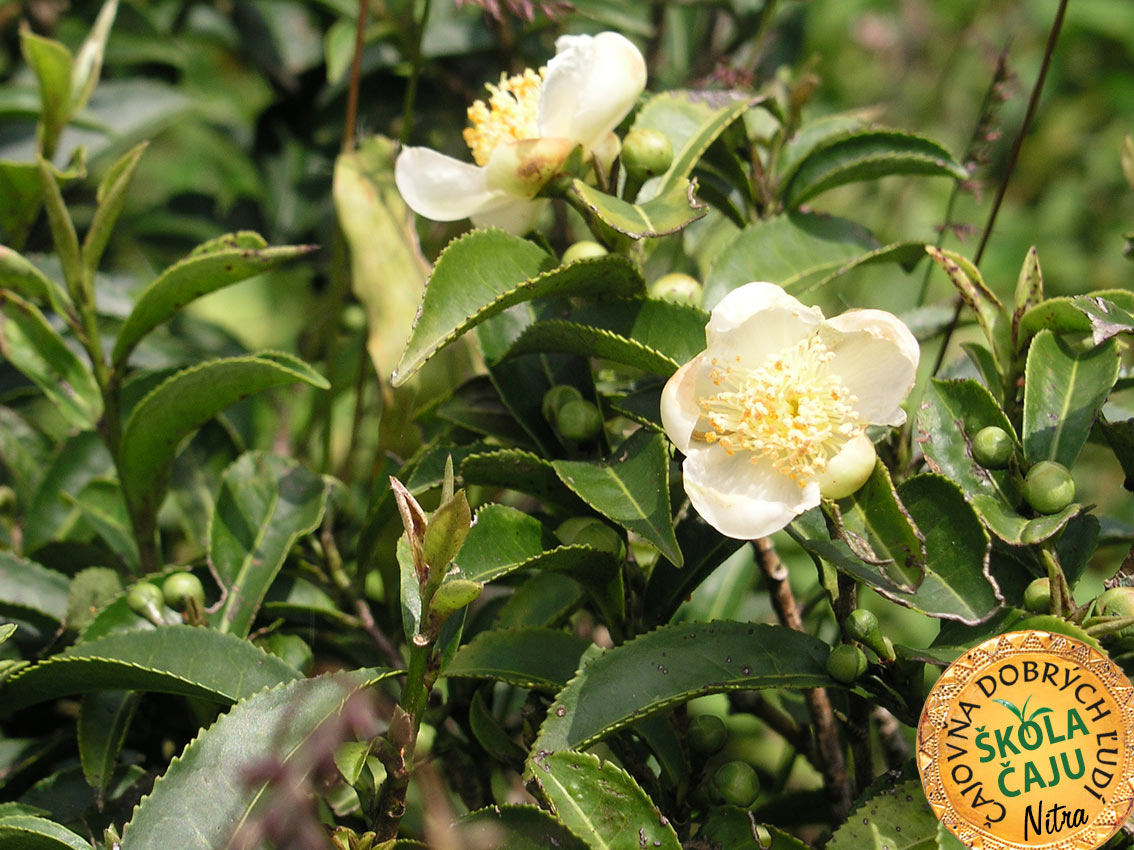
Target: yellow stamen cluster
791, 410
511, 114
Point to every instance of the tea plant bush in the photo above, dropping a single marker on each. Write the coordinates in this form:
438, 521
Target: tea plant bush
609, 519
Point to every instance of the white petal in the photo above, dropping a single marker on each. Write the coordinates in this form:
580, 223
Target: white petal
591, 84
679, 408
516, 215
876, 356
741, 499
758, 320
441, 188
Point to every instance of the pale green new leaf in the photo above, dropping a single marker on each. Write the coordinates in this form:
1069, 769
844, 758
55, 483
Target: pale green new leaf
602, 804
668, 213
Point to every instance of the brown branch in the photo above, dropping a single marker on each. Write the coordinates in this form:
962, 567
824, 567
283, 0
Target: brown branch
832, 764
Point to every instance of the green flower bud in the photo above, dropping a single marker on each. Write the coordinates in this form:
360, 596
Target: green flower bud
592, 532
847, 471
646, 153
1037, 596
7, 500
1048, 487
992, 447
182, 588
677, 287
353, 318
146, 600
735, 784
579, 420
846, 663
706, 734
555, 398
862, 625
583, 250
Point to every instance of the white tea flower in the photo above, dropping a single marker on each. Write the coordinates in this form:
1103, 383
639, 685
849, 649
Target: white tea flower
772, 415
521, 137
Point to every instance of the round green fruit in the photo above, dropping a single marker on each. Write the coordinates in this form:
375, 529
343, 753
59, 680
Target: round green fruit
646, 153
182, 587
583, 250
677, 287
992, 447
735, 784
862, 625
1048, 487
555, 398
144, 598
579, 420
1037, 596
846, 663
1116, 602
707, 733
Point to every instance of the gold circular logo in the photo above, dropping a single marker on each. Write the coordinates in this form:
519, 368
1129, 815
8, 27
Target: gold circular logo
1025, 742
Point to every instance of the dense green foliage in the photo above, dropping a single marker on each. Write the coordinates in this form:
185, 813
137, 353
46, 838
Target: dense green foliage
296, 551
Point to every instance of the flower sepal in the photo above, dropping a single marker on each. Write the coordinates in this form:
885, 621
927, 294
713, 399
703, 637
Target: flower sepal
523, 168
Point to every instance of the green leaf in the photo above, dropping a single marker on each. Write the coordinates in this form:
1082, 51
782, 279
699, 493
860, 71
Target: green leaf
102, 505
62, 229
1029, 293
184, 402
588, 341
477, 406
52, 64
1062, 316
894, 818
387, 271
990, 313
111, 198
6, 631
1063, 391
265, 503
21, 187
631, 487
1107, 318
18, 275
672, 665
692, 121
505, 540
30, 344
486, 271
218, 264
28, 832
104, 719
957, 583
544, 599
544, 659
668, 213
516, 828
795, 251
88, 63
521, 471
880, 531
704, 549
656, 336
815, 133
31, 592
867, 155
733, 828
276, 726
82, 458
184, 660
602, 804
950, 416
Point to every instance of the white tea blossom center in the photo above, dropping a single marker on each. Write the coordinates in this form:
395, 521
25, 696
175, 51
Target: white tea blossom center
792, 410
510, 115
